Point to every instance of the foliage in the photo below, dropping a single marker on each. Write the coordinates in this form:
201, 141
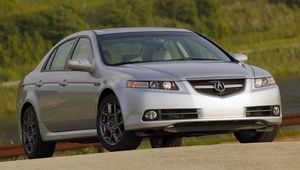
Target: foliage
121, 13
290, 3
53, 26
29, 28
183, 11
20, 53
8, 97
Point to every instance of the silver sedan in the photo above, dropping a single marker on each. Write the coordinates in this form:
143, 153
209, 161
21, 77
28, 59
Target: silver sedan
117, 86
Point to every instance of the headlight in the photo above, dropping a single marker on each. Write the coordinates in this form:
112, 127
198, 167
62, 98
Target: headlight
264, 81
164, 85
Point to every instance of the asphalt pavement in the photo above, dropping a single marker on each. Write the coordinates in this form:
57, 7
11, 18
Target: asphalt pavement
276, 155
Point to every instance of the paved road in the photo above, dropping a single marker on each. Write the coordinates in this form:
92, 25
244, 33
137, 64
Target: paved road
277, 155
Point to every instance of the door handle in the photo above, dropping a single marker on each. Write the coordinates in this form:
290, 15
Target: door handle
63, 83
97, 84
39, 83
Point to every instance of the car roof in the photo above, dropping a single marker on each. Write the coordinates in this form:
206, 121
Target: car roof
138, 29
124, 30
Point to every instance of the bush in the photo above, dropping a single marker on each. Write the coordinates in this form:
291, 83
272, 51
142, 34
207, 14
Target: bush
122, 13
184, 11
52, 25
29, 28
290, 3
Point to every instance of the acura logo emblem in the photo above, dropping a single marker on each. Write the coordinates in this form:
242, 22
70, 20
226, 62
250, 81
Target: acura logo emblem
219, 86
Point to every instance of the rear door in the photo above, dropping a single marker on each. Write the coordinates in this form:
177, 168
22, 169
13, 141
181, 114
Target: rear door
49, 85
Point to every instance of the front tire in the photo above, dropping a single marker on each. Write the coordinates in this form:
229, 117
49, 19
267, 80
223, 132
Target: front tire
165, 141
34, 146
110, 127
252, 136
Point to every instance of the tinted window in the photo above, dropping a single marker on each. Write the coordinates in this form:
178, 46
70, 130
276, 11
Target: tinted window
117, 52
84, 51
158, 46
61, 55
49, 61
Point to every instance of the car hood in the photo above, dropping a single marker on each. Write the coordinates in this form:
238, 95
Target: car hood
183, 70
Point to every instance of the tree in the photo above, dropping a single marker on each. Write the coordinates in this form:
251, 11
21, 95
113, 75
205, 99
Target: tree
53, 25
184, 11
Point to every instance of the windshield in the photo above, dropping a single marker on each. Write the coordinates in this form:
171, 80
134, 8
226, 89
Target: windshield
126, 48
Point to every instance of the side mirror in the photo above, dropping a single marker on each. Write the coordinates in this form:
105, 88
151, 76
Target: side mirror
80, 65
240, 57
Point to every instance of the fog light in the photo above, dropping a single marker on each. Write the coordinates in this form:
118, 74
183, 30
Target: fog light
276, 110
151, 115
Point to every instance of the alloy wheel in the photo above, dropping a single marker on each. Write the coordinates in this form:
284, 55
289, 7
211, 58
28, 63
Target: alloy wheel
111, 123
29, 132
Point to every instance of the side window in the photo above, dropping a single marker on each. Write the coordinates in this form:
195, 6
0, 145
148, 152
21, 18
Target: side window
49, 61
61, 55
84, 50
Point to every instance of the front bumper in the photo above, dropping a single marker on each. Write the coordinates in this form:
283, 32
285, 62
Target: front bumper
232, 108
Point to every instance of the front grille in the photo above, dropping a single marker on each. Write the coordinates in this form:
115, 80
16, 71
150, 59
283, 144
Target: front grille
207, 86
174, 114
215, 126
258, 111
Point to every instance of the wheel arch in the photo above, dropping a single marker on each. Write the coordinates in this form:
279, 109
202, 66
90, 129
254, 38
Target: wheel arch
20, 116
104, 93
109, 91
23, 109
28, 103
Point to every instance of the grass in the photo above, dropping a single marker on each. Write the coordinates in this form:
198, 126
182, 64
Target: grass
280, 62
7, 100
5, 140
280, 55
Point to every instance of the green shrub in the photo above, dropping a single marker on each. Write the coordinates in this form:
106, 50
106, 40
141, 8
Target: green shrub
53, 25
290, 3
29, 28
183, 11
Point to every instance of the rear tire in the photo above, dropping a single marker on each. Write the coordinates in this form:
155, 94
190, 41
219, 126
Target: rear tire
252, 136
34, 146
165, 141
110, 127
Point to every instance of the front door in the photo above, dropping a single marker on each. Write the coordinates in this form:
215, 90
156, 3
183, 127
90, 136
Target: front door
79, 94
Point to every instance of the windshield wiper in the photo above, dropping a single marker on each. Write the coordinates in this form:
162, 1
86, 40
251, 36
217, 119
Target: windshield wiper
133, 62
129, 62
179, 59
213, 59
210, 59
